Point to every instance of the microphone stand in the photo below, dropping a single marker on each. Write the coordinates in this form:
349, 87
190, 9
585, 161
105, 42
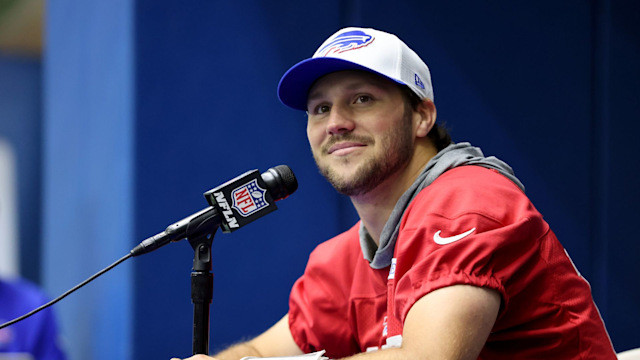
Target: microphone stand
201, 291
200, 227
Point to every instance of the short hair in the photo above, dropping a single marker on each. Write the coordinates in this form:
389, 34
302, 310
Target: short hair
439, 135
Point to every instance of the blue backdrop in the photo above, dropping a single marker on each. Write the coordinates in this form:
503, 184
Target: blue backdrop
148, 104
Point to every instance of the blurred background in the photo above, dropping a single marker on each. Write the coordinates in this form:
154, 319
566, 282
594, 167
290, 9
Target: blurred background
116, 116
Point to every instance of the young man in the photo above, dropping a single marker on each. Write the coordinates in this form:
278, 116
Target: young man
450, 259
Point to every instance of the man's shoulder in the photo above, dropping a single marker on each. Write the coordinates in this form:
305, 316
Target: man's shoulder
334, 262
474, 175
474, 190
19, 296
343, 244
23, 289
476, 180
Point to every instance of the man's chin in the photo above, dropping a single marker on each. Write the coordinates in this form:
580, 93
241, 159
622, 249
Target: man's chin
348, 180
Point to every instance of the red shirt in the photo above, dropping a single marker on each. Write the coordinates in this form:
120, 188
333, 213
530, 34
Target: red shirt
488, 235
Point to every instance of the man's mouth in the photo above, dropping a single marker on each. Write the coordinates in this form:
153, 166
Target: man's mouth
345, 147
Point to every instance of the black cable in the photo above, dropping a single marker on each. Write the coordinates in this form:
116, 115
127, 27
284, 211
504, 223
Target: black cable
66, 293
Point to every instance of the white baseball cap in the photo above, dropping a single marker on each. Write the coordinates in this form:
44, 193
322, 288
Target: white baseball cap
357, 49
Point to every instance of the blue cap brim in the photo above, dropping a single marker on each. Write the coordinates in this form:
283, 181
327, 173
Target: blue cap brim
295, 84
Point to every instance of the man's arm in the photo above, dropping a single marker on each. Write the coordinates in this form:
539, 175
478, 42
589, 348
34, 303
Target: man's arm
450, 323
276, 341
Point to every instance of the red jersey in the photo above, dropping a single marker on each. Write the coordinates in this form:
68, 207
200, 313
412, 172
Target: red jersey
470, 226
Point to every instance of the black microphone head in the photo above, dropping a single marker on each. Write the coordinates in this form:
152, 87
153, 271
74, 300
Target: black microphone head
280, 181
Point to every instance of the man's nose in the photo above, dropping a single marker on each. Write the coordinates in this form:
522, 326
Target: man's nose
340, 121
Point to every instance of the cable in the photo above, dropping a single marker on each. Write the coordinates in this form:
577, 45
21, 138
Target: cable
66, 293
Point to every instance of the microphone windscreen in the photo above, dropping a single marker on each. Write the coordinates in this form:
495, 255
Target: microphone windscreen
281, 181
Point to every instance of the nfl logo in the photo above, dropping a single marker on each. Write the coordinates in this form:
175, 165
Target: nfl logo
249, 198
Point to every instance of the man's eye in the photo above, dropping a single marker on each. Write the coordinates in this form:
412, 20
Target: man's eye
321, 109
363, 99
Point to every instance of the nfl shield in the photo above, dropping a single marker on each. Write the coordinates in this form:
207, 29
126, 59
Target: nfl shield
249, 198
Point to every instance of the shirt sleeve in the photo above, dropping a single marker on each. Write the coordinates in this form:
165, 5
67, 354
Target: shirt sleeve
482, 232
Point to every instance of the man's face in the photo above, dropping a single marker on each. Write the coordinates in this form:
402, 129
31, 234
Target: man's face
359, 129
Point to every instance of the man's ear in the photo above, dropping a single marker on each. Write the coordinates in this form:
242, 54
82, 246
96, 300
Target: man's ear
426, 111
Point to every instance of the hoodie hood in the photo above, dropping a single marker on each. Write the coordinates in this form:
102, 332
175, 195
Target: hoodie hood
452, 156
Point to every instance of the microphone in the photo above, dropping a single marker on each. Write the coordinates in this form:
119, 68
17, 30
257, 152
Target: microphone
232, 205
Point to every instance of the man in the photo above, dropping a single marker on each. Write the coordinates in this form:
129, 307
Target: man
450, 259
34, 338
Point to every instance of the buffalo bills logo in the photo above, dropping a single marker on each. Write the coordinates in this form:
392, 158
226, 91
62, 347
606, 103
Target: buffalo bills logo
346, 41
249, 198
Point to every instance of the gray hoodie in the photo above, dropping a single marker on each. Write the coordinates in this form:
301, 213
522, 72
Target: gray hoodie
448, 158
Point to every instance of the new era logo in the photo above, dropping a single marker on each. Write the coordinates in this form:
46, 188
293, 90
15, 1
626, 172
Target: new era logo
418, 81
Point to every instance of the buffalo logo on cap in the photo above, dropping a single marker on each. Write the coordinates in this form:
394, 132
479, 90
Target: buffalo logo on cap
346, 41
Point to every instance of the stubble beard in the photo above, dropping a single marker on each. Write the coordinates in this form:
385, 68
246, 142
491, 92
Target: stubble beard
395, 152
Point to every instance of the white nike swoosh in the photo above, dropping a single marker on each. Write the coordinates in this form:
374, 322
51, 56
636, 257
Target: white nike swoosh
448, 240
